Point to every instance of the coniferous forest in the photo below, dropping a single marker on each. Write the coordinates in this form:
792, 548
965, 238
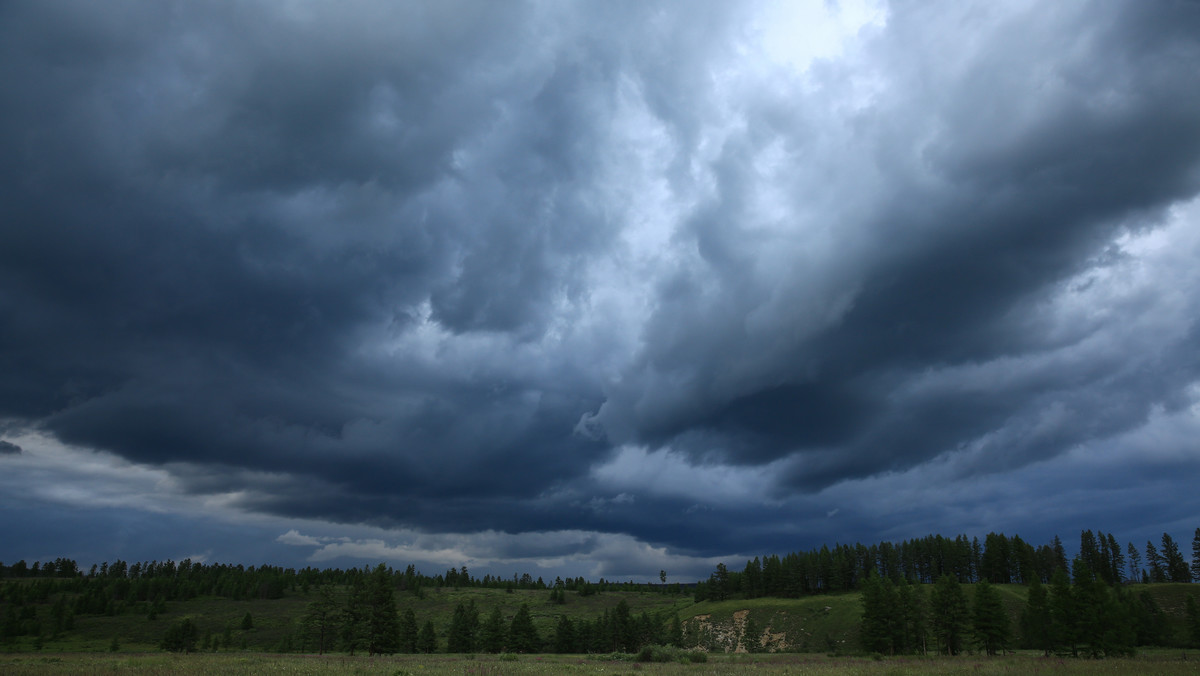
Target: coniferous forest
933, 595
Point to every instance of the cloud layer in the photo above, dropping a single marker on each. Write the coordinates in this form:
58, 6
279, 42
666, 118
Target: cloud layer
671, 280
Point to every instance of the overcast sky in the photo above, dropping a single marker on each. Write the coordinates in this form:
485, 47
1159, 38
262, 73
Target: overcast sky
594, 288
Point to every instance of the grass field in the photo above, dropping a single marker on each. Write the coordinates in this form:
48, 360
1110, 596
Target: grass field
826, 624
1167, 663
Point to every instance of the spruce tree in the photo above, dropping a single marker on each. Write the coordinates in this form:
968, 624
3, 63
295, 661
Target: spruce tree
1176, 568
354, 616
427, 640
522, 635
492, 633
464, 628
1035, 619
950, 615
912, 618
382, 620
1196, 556
408, 631
1135, 563
879, 614
321, 619
675, 634
989, 620
1156, 563
564, 635
1063, 613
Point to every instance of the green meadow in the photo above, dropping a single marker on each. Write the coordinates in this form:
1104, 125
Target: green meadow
1150, 662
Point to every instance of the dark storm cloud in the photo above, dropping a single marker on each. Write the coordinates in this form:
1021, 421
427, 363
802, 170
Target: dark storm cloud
454, 266
1025, 188
9, 448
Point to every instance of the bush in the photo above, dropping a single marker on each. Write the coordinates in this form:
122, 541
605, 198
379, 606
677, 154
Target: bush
181, 637
664, 653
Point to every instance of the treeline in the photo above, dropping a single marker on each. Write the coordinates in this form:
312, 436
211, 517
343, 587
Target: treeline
365, 617
119, 587
1083, 617
999, 559
188, 579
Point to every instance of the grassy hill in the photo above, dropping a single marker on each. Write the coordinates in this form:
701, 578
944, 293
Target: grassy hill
276, 622
821, 624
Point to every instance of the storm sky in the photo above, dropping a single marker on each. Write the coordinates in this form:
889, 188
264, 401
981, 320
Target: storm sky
593, 288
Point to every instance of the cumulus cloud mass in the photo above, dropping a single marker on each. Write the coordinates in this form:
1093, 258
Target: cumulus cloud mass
594, 287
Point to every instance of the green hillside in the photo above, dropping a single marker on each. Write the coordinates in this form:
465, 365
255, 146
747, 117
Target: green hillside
814, 624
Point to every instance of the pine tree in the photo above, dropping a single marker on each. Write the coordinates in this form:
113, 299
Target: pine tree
408, 631
1135, 563
382, 620
1103, 624
492, 633
1196, 556
354, 616
321, 618
1035, 619
1063, 612
912, 618
1156, 563
1060, 555
427, 640
675, 634
522, 635
950, 615
564, 635
464, 627
1117, 562
879, 615
989, 620
1176, 568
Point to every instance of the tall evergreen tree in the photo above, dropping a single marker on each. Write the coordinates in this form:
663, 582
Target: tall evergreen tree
1063, 613
354, 616
382, 619
493, 632
1103, 625
1196, 556
427, 640
1156, 563
321, 618
1035, 619
989, 621
675, 634
1060, 555
564, 636
1176, 568
1135, 563
913, 618
949, 613
880, 611
464, 627
522, 635
1117, 562
408, 631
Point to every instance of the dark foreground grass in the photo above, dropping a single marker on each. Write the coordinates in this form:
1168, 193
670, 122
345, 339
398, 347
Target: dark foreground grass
1153, 662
